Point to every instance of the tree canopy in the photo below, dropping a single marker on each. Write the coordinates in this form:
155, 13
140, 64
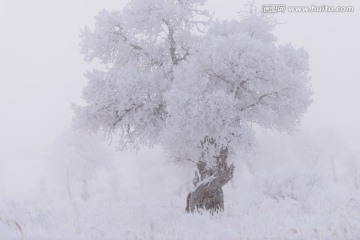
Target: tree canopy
173, 76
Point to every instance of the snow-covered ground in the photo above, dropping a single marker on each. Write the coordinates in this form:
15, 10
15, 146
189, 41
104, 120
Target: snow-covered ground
304, 186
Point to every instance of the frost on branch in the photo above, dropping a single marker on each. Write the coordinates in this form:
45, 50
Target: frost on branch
235, 79
175, 77
140, 47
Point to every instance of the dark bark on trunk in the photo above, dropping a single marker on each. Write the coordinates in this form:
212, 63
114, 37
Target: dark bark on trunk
208, 182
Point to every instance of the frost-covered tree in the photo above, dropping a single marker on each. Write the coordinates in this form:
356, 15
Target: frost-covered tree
77, 162
172, 76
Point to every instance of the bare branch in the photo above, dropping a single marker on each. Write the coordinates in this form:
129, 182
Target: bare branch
174, 58
172, 42
120, 32
259, 100
126, 111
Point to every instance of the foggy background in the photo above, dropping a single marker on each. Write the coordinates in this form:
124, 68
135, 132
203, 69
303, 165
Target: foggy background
41, 74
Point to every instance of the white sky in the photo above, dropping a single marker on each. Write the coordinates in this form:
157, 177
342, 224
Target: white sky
41, 69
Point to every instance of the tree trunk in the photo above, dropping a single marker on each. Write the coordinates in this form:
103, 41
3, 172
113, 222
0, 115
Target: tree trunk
208, 182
